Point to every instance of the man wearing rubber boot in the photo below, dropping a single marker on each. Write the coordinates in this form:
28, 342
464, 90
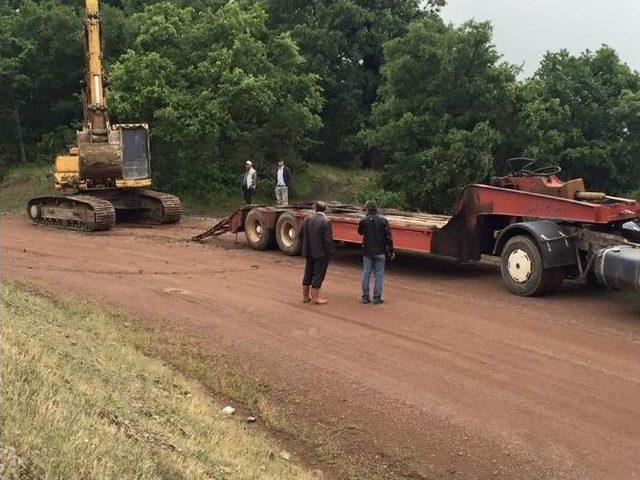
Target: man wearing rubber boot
317, 246
377, 246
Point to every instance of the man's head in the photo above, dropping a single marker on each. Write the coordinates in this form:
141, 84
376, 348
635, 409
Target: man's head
320, 206
248, 164
280, 163
370, 206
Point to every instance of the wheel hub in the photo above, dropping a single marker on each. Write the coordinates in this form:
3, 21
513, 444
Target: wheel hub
519, 265
255, 232
288, 236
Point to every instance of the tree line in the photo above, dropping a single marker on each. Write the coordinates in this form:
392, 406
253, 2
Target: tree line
356, 83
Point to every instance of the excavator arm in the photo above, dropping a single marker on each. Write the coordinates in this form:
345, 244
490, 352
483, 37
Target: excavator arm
96, 119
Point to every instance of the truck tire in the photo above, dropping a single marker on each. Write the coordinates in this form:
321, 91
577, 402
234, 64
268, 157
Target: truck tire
287, 231
522, 270
259, 235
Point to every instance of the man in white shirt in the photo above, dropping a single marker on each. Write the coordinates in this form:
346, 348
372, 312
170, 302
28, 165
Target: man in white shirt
249, 181
283, 181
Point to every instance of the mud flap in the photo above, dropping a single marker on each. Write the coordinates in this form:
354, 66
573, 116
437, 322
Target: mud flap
556, 246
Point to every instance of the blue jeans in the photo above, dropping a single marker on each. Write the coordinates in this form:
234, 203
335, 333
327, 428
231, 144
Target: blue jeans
374, 262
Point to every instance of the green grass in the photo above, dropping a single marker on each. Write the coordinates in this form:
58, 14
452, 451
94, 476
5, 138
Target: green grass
325, 182
22, 183
83, 398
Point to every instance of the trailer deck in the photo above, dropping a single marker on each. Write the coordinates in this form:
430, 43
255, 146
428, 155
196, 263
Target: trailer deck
412, 231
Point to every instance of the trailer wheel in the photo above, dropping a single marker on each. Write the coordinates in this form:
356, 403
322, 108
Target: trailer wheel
287, 234
259, 235
522, 270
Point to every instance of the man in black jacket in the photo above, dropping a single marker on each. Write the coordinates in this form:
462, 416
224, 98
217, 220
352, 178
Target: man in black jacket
283, 183
316, 241
377, 246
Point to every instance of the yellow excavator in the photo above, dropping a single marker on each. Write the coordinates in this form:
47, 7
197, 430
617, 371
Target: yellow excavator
106, 176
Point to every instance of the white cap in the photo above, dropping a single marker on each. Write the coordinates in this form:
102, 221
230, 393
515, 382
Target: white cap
248, 163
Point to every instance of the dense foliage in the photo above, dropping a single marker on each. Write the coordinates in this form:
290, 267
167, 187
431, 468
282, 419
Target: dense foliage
343, 43
583, 113
218, 88
382, 83
440, 109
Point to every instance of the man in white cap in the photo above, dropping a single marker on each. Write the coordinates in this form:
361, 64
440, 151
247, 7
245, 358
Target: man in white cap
249, 181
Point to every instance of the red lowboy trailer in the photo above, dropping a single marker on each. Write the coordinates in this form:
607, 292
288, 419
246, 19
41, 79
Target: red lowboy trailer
544, 230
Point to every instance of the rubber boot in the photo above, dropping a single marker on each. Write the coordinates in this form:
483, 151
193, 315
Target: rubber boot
317, 299
306, 298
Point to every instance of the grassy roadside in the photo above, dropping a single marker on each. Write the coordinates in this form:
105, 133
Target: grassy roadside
315, 182
22, 183
82, 400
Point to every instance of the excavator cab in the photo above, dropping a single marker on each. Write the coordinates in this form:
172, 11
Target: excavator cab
136, 162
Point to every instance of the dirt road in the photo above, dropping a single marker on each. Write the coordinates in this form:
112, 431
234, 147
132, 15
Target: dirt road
452, 378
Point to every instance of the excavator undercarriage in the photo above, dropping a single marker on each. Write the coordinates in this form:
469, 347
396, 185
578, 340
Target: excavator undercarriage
101, 209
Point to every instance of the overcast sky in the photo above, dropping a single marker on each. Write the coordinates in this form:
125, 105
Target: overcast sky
524, 29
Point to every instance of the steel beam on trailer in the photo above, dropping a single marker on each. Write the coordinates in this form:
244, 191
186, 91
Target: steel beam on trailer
484, 199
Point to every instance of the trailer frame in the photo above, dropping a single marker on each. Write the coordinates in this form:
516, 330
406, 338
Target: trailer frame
486, 219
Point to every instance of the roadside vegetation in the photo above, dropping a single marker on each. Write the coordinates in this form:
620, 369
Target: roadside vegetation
311, 182
23, 182
354, 84
85, 395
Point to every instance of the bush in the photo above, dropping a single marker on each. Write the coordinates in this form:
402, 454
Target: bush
372, 190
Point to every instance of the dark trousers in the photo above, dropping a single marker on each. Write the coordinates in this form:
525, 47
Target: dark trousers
314, 271
248, 194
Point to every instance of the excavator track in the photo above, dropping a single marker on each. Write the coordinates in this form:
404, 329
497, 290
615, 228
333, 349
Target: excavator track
146, 207
167, 207
73, 212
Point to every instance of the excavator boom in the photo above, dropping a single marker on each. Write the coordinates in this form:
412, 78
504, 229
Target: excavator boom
95, 112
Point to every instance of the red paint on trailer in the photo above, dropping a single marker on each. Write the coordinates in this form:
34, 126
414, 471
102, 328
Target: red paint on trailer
515, 203
412, 239
345, 230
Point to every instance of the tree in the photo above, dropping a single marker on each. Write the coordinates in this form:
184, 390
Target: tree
342, 41
582, 113
218, 88
40, 62
439, 108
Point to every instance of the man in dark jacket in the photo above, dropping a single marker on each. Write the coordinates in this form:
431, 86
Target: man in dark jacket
283, 183
316, 241
377, 246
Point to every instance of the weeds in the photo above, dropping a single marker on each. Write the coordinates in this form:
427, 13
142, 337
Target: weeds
80, 400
